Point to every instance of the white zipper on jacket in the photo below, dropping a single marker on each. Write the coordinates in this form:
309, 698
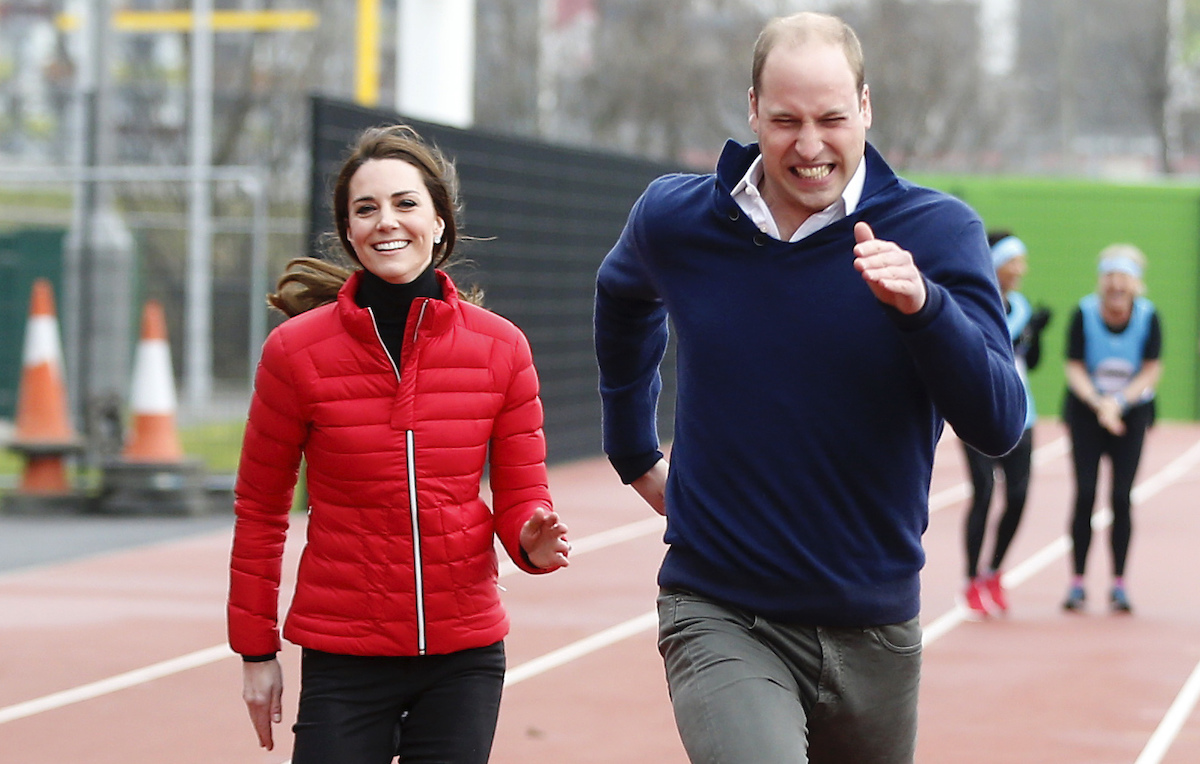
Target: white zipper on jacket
413, 514
420, 318
378, 336
382, 344
418, 573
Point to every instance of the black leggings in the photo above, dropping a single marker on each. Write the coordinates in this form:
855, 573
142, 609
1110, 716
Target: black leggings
1089, 442
426, 709
1015, 466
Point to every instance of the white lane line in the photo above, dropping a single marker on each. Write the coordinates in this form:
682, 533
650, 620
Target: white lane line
597, 641
1168, 729
1058, 548
1045, 556
114, 683
213, 654
1176, 469
1185, 702
961, 491
594, 542
604, 539
1034, 564
565, 655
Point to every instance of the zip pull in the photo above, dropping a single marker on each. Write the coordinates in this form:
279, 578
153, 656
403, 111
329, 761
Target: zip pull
382, 344
420, 318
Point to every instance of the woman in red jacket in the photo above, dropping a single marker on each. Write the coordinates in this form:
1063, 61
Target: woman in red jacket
397, 392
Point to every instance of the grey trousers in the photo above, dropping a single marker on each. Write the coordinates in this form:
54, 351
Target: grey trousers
745, 689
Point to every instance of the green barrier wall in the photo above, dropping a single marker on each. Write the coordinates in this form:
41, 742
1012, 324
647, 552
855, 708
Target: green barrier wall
1065, 224
25, 255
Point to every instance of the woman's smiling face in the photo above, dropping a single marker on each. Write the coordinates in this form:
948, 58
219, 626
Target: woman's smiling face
392, 221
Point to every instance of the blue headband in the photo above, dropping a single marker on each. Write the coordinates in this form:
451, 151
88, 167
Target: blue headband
1120, 264
1006, 249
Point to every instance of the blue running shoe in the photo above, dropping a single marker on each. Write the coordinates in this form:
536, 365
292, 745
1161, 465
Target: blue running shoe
1075, 599
1120, 600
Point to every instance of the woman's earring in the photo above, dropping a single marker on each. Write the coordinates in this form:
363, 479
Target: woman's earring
437, 239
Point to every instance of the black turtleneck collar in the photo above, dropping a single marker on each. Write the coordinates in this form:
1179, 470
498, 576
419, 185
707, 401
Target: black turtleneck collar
390, 302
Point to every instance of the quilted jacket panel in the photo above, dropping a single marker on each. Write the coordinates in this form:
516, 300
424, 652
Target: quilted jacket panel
377, 577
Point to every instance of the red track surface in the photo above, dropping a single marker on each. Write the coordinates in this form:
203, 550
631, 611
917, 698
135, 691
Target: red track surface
1036, 686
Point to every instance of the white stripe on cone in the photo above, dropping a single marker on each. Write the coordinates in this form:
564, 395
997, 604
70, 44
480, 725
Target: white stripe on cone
153, 382
42, 419
41, 342
42, 415
153, 437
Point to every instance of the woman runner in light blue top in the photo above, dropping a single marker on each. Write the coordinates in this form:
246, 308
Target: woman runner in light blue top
985, 594
1113, 365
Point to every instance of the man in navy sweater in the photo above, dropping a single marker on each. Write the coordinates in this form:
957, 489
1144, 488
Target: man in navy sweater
829, 317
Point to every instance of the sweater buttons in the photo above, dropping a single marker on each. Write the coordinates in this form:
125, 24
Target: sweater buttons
761, 239
734, 214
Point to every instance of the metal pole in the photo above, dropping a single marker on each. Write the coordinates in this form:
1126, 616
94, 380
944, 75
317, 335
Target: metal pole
547, 92
1176, 74
83, 155
128, 173
366, 68
198, 287
442, 31
79, 286
257, 187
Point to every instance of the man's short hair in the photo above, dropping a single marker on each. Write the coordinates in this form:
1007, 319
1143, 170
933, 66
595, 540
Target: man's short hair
802, 27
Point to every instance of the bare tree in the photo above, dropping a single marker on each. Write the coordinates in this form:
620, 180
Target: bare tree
668, 80
506, 86
1148, 72
925, 78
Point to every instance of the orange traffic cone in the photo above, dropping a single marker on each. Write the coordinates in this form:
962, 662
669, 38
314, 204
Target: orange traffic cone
153, 437
43, 430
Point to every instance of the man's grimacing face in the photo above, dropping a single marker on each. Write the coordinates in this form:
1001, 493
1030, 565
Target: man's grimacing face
811, 125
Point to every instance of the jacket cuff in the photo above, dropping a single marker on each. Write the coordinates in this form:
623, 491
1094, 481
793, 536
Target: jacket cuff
923, 317
258, 658
630, 468
525, 558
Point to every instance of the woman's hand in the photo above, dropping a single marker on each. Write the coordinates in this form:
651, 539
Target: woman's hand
262, 689
1110, 413
544, 539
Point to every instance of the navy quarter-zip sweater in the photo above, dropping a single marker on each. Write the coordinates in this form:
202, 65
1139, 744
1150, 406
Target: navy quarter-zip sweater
807, 412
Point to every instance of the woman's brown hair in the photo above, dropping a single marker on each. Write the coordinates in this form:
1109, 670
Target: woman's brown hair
308, 282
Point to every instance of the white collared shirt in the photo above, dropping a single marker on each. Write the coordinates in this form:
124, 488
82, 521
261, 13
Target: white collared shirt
749, 198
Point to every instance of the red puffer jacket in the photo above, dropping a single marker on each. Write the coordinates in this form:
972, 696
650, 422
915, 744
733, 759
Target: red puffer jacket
400, 558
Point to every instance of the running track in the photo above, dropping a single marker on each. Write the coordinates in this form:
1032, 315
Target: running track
119, 657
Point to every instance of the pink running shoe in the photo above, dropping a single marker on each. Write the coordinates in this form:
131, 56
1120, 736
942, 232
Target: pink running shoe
973, 599
995, 590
